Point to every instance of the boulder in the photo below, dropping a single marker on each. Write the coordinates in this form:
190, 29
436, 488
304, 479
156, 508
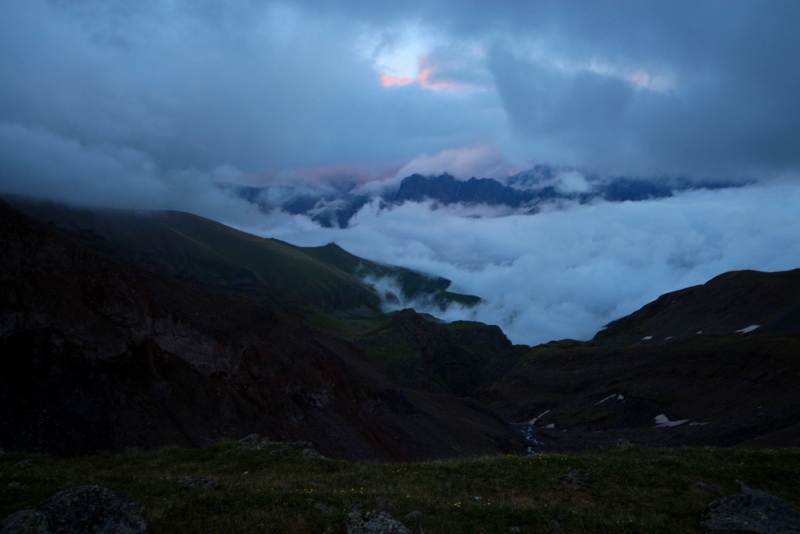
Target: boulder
77, 511
25, 522
374, 522
753, 511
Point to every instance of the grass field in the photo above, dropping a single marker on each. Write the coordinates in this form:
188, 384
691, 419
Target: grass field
277, 490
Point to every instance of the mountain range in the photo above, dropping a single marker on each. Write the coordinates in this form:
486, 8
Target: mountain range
146, 329
332, 205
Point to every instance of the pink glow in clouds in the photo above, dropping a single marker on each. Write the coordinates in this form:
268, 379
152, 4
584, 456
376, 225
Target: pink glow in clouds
357, 173
425, 78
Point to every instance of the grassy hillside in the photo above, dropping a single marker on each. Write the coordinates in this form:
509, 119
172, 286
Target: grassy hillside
416, 350
206, 253
212, 255
279, 490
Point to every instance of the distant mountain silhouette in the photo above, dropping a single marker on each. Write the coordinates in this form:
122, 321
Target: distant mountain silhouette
525, 191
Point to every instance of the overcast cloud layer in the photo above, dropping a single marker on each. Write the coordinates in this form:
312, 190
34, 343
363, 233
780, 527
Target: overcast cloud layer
267, 88
149, 104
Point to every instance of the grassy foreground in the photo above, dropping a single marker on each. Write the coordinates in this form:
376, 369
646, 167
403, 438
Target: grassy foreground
634, 490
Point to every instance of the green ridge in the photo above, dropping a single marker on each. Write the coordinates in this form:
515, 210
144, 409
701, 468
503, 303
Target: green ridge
210, 254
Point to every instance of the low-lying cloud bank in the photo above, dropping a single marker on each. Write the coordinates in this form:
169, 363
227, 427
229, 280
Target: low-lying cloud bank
564, 273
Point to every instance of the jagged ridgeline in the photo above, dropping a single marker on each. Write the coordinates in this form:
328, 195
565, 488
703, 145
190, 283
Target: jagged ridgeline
207, 254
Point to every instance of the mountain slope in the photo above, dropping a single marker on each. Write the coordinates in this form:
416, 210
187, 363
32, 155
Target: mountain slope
206, 253
418, 351
335, 204
97, 355
412, 284
731, 302
688, 356
211, 255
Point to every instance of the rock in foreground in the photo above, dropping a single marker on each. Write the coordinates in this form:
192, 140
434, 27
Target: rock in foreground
78, 510
753, 511
375, 522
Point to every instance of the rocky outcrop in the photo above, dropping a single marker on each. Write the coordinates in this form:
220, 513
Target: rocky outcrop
78, 510
753, 511
25, 522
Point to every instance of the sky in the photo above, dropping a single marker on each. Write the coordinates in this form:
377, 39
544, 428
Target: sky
152, 104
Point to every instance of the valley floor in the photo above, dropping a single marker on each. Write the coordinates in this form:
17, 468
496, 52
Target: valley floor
281, 489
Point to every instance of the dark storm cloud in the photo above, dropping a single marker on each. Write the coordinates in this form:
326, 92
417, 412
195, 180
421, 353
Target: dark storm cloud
693, 87
731, 73
728, 101
151, 104
258, 86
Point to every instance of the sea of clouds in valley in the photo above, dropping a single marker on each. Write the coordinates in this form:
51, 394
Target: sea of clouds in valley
564, 272
156, 105
567, 271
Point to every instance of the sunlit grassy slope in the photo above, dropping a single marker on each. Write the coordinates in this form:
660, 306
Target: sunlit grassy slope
610, 490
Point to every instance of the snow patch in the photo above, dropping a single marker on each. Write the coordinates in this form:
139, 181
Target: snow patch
602, 401
619, 398
533, 421
748, 329
662, 421
647, 338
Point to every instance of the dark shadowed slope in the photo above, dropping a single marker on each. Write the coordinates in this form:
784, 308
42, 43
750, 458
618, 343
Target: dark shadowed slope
206, 254
418, 351
97, 355
739, 301
691, 356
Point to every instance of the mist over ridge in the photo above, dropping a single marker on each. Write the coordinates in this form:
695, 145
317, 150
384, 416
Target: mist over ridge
334, 203
571, 268
619, 151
